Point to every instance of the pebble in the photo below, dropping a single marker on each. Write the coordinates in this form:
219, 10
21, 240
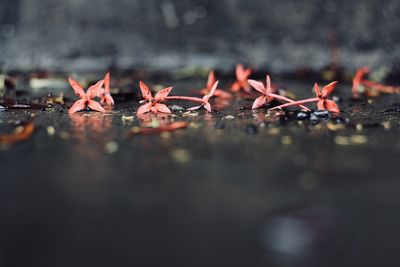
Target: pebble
50, 130
2, 108
251, 129
177, 108
314, 118
302, 115
229, 117
322, 114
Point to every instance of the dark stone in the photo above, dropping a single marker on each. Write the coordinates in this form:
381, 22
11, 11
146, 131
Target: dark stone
302, 115
314, 118
321, 114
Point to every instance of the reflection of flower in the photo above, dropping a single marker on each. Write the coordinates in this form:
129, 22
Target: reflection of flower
86, 98
90, 123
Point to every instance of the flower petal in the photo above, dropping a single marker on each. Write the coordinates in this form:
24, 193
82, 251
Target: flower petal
331, 106
212, 91
259, 86
77, 87
144, 109
95, 90
77, 106
317, 90
259, 102
211, 79
107, 83
268, 85
162, 108
93, 105
207, 106
108, 100
160, 96
239, 72
327, 90
321, 105
146, 93
235, 87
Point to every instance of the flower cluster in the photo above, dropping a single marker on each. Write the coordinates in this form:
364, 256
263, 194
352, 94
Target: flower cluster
270, 95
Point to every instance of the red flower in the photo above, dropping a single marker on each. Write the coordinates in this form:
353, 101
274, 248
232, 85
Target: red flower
358, 79
268, 94
218, 92
206, 98
321, 98
105, 96
86, 98
242, 76
153, 104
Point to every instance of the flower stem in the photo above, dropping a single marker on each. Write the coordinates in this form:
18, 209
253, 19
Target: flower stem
185, 98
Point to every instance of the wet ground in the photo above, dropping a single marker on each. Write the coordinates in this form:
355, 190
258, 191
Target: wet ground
235, 188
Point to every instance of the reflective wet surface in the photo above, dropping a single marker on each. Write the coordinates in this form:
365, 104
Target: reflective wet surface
235, 188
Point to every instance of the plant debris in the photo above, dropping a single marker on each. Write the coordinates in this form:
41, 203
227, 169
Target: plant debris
22, 132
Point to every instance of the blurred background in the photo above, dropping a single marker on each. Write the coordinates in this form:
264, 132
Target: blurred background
163, 34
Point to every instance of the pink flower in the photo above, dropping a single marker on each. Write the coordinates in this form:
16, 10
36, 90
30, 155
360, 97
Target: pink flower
242, 75
86, 98
218, 92
321, 98
268, 94
206, 98
153, 104
357, 80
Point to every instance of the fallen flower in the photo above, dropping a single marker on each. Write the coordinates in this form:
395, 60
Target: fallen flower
370, 88
86, 98
153, 104
268, 94
105, 95
242, 76
218, 92
204, 101
357, 81
321, 98
21, 133
206, 98
147, 130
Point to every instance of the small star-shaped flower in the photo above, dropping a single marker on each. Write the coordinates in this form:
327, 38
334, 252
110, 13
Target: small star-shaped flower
206, 98
153, 104
323, 103
242, 76
218, 92
86, 98
268, 93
